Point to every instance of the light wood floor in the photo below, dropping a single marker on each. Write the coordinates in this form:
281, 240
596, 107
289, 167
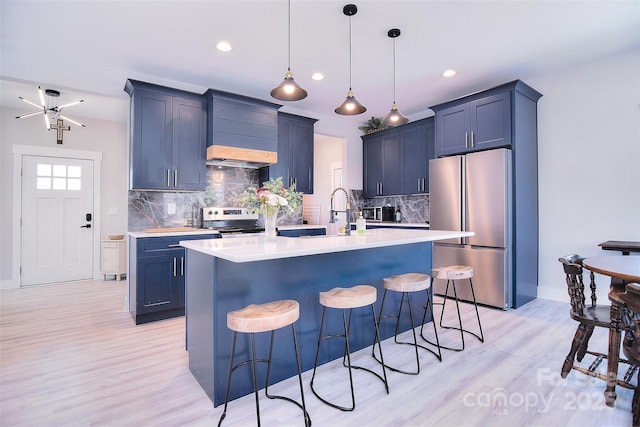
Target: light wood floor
71, 356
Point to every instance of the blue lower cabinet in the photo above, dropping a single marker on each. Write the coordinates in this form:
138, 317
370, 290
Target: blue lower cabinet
157, 277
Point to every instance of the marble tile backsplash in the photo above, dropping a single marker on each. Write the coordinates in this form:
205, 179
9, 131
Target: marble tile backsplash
156, 209
414, 208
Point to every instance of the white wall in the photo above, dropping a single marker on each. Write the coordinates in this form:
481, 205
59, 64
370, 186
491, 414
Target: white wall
328, 150
589, 163
108, 138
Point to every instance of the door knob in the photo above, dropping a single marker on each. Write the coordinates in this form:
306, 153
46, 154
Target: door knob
86, 226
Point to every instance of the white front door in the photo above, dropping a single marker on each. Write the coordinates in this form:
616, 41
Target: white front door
57, 219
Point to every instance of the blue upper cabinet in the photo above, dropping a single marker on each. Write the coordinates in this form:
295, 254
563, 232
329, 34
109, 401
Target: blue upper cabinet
381, 163
167, 138
396, 160
417, 147
480, 121
295, 153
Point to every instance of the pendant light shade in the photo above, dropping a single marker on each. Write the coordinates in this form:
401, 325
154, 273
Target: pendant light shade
289, 90
395, 117
350, 106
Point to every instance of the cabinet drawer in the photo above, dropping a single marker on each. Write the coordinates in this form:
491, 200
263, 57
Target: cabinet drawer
154, 246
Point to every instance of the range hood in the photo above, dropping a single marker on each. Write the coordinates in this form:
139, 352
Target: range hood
220, 155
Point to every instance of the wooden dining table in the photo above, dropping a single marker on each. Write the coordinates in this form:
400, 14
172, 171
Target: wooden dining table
622, 270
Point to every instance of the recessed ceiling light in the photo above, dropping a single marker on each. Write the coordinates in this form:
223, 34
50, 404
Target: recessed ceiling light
223, 47
317, 76
449, 73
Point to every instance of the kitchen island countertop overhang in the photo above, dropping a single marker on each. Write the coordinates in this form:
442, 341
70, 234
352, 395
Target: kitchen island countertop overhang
249, 249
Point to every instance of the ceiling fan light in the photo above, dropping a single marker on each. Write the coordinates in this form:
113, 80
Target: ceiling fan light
395, 117
350, 106
288, 90
41, 97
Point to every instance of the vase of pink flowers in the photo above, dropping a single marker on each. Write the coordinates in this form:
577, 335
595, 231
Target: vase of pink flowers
269, 199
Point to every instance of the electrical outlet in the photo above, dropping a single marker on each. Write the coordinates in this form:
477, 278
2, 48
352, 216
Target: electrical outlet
171, 208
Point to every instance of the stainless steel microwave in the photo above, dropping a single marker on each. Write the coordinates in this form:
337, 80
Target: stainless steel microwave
378, 213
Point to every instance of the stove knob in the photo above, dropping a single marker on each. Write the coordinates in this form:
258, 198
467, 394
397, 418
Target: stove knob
215, 213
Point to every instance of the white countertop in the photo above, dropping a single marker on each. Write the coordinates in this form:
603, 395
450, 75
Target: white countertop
139, 234
248, 249
398, 224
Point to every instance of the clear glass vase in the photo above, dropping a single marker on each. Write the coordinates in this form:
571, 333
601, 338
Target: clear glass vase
270, 214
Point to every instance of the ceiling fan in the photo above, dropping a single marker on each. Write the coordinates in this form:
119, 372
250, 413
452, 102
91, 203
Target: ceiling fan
51, 110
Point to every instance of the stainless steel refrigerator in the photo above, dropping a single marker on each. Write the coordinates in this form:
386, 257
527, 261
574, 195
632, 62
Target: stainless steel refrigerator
473, 192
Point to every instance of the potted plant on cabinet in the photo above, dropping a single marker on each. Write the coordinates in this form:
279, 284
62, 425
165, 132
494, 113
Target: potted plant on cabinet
374, 124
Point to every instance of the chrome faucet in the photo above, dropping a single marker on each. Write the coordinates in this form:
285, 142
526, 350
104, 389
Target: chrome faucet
347, 211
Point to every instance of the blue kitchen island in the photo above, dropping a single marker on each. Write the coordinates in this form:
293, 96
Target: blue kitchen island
228, 274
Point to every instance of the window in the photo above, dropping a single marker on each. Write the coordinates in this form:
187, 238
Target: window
58, 177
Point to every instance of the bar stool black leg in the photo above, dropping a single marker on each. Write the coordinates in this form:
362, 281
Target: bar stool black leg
307, 418
255, 374
405, 295
429, 306
226, 396
459, 327
346, 359
473, 294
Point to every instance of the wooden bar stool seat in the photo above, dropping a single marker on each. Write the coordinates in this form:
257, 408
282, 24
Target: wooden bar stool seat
348, 299
264, 317
451, 274
408, 283
257, 318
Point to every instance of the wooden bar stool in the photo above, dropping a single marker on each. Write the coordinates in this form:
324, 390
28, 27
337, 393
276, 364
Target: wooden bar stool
406, 284
451, 274
348, 298
263, 318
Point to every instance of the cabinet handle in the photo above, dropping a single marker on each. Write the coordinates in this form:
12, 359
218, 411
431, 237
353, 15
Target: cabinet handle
424, 184
182, 266
466, 140
174, 266
419, 183
175, 177
168, 177
380, 188
174, 245
472, 139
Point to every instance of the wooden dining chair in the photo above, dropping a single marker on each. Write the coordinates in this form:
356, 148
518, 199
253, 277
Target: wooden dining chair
589, 316
631, 341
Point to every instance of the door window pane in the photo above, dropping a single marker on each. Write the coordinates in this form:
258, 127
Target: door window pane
59, 170
58, 177
74, 171
43, 183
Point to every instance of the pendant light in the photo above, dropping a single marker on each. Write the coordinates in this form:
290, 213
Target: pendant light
395, 117
350, 106
289, 90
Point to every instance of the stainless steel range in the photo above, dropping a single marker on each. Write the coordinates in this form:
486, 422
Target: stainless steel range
230, 221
